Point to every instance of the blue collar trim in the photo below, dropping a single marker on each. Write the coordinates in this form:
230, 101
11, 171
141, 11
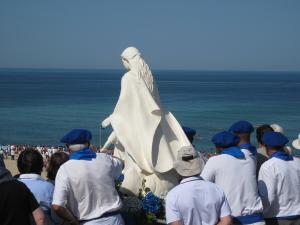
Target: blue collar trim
235, 152
281, 155
249, 147
83, 154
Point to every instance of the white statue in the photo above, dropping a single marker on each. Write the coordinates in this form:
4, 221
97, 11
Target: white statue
145, 134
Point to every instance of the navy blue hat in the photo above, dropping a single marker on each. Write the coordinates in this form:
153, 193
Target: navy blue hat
274, 139
77, 136
189, 131
225, 139
241, 127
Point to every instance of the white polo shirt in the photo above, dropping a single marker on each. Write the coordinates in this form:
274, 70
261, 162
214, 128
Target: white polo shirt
87, 188
279, 187
195, 201
237, 177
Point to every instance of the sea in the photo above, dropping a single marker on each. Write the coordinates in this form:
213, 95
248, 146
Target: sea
38, 106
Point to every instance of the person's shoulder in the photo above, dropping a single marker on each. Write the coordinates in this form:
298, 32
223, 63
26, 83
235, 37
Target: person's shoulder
296, 159
216, 159
212, 186
174, 192
48, 184
41, 182
268, 165
17, 185
103, 156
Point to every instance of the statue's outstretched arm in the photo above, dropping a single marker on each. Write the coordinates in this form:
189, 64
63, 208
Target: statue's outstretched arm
106, 122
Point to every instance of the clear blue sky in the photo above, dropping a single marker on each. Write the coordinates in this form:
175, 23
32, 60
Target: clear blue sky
172, 34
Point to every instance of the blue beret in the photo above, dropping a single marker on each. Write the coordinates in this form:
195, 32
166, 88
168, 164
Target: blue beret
77, 136
225, 139
241, 127
189, 131
274, 139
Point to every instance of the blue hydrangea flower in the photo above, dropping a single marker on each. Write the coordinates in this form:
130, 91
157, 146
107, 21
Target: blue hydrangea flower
151, 203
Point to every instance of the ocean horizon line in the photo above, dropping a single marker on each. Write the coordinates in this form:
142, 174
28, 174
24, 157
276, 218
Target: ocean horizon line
27, 69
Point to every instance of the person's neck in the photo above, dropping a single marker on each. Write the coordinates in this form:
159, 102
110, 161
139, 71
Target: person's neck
271, 151
196, 175
244, 141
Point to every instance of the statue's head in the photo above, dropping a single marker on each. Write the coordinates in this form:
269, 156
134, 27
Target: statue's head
128, 55
133, 61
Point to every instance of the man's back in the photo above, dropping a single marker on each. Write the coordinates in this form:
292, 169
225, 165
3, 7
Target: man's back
88, 186
237, 177
279, 183
16, 203
195, 201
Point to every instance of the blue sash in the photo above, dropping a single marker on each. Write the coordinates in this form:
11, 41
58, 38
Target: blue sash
235, 152
249, 147
288, 217
248, 219
281, 155
83, 154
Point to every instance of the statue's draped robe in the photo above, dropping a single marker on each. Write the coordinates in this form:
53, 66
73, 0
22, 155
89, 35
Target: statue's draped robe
150, 135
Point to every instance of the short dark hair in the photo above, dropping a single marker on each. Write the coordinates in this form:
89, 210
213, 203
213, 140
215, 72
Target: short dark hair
56, 160
30, 161
261, 130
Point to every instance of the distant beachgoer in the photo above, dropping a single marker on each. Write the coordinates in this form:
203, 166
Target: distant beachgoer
56, 160
194, 200
262, 155
1, 155
279, 182
2, 164
12, 153
17, 203
30, 165
190, 133
85, 190
234, 171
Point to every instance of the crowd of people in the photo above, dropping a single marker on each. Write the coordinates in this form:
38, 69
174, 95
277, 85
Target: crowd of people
258, 185
240, 184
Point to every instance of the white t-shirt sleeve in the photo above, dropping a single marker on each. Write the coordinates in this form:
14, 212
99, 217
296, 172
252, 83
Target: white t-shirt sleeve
172, 211
61, 188
266, 187
225, 208
117, 167
208, 172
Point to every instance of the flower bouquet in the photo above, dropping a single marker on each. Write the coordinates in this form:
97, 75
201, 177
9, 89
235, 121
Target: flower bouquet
144, 209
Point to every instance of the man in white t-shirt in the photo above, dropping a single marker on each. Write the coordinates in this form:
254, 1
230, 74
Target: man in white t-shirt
279, 182
234, 170
195, 201
84, 186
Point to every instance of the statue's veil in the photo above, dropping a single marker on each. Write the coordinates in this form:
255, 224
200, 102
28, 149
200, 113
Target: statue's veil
137, 64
